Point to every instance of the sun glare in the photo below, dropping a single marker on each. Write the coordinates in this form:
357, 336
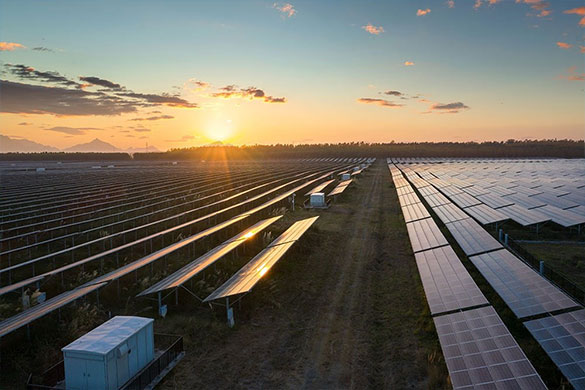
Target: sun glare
220, 130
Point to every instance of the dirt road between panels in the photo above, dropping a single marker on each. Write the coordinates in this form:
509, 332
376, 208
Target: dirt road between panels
345, 310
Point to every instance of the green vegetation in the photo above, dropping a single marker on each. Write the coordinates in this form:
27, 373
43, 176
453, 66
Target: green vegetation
566, 259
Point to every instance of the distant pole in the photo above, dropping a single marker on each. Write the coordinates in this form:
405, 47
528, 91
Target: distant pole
541, 268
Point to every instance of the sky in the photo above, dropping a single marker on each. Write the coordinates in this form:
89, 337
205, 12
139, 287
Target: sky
177, 74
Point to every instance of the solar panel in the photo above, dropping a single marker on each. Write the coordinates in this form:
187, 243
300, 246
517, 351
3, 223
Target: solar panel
523, 216
563, 339
565, 218
400, 182
419, 183
404, 190
480, 352
410, 198
340, 187
425, 234
485, 214
471, 237
187, 272
451, 190
501, 191
450, 213
425, 191
555, 200
250, 274
524, 291
526, 201
320, 187
447, 284
476, 190
437, 199
414, 212
494, 201
464, 200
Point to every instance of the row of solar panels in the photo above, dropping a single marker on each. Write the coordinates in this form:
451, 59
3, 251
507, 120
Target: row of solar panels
146, 216
526, 198
524, 291
27, 316
478, 349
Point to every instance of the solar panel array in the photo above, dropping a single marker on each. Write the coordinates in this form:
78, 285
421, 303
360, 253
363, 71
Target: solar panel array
447, 284
480, 352
195, 201
523, 290
563, 339
528, 200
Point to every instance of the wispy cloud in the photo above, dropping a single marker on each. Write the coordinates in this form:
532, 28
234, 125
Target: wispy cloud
10, 46
564, 45
572, 75
541, 6
233, 91
578, 11
451, 3
394, 93
66, 96
42, 48
72, 130
408, 63
286, 9
379, 102
421, 12
582, 49
153, 118
374, 30
450, 108
101, 82
477, 4
24, 124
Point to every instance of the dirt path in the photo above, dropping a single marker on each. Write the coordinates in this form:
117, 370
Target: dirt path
344, 313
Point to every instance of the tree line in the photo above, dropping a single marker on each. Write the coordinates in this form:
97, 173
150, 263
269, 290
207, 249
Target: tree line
505, 149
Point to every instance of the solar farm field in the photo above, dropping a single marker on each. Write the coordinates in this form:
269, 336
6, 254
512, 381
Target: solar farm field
415, 273
461, 233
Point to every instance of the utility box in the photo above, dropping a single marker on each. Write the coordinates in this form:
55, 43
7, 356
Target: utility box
108, 356
317, 199
345, 176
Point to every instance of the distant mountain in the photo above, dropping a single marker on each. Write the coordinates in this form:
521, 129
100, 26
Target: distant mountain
95, 146
11, 145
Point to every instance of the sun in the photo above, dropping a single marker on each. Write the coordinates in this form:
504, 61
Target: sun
220, 130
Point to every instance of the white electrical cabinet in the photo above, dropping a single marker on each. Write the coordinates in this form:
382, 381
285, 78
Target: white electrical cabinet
108, 356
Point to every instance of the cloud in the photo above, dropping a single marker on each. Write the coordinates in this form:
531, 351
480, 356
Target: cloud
477, 4
421, 12
577, 11
41, 48
450, 108
394, 93
572, 75
451, 3
71, 130
197, 85
373, 29
21, 98
10, 46
101, 82
142, 130
564, 45
379, 102
538, 5
153, 118
162, 99
233, 91
74, 99
408, 63
582, 49
286, 9
24, 72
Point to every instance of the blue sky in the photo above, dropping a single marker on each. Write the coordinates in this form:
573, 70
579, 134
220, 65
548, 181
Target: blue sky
516, 68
